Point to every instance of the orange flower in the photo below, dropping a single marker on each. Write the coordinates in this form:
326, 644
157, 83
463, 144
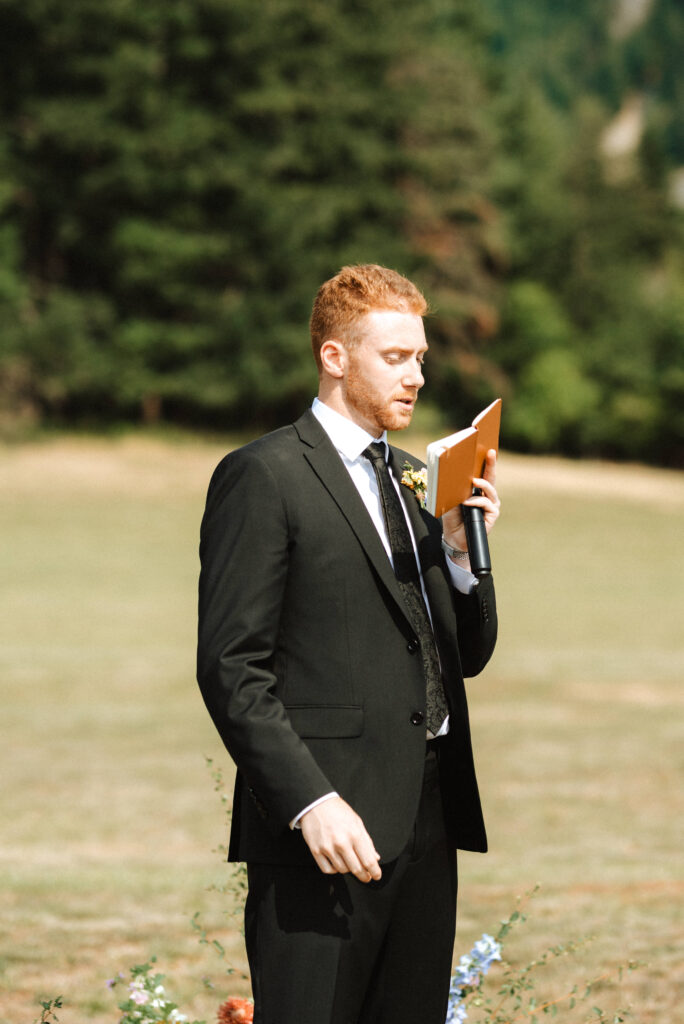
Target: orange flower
236, 1011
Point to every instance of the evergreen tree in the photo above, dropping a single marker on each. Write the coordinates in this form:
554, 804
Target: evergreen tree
186, 174
592, 254
178, 177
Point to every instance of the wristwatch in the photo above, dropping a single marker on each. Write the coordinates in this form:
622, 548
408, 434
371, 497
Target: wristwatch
454, 552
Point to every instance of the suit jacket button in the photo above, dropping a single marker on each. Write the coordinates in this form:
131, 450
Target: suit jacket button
412, 646
417, 718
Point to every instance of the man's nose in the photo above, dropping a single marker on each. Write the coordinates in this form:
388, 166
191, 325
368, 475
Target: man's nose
414, 377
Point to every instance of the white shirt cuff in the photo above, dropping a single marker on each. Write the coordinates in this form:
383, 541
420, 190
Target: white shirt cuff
462, 579
295, 821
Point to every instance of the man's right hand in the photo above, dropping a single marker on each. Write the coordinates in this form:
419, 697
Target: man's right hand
338, 840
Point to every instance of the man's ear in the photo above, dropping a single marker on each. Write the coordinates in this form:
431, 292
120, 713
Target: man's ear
334, 358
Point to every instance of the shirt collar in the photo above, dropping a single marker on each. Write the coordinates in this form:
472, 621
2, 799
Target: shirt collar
348, 437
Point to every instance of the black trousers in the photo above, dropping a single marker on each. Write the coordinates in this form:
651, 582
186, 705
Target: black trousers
328, 949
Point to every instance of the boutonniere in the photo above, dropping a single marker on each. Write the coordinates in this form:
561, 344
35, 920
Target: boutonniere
416, 480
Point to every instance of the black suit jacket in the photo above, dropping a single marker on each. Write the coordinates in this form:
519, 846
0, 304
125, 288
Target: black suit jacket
307, 659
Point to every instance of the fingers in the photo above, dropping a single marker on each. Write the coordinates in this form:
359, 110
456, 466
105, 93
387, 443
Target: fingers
488, 500
488, 493
487, 482
490, 507
367, 865
339, 842
345, 859
490, 466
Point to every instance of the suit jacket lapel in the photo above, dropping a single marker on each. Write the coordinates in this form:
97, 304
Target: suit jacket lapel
329, 468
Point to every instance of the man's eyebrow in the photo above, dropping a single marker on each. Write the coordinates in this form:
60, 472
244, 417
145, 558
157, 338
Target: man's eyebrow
404, 349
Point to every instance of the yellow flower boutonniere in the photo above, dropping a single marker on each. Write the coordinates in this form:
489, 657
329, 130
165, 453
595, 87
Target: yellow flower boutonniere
416, 480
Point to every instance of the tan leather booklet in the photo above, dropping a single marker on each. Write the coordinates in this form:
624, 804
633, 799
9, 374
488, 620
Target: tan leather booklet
453, 461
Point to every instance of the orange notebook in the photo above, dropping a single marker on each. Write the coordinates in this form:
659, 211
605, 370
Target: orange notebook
455, 460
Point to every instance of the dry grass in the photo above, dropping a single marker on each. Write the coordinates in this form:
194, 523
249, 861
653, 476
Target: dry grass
109, 814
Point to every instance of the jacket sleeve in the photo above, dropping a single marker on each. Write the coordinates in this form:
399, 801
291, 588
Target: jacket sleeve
244, 564
477, 626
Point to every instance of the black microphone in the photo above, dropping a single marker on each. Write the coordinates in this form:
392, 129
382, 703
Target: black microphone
476, 534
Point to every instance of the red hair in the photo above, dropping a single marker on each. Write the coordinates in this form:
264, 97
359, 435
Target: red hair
353, 292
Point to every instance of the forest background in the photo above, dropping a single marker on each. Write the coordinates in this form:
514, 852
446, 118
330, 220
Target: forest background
177, 178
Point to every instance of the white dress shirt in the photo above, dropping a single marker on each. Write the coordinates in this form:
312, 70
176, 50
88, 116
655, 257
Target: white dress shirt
350, 441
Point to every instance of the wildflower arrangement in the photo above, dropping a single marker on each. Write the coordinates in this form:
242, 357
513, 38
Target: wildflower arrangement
468, 976
236, 1011
415, 480
513, 1000
146, 999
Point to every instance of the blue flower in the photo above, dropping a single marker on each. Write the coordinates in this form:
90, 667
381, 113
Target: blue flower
469, 972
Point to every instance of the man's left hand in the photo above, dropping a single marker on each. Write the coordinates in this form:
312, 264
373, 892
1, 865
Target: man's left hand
488, 501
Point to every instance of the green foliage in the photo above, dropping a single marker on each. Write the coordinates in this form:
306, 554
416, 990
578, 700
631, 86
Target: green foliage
178, 177
515, 996
234, 887
48, 1015
593, 245
146, 998
553, 397
189, 174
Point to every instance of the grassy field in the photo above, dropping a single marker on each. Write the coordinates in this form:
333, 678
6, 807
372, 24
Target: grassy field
109, 815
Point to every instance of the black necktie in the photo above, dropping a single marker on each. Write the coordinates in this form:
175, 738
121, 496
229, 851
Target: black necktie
406, 571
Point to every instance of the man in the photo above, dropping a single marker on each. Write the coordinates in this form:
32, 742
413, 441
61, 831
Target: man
337, 619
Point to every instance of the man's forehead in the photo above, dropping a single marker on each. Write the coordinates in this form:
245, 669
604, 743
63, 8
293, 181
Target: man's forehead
392, 322
392, 316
